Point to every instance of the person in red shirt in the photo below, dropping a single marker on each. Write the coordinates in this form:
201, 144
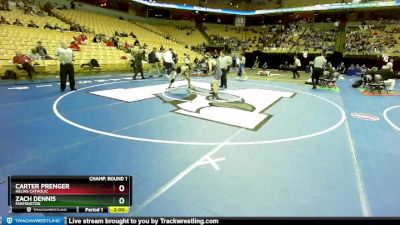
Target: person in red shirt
109, 43
75, 47
24, 62
127, 46
81, 39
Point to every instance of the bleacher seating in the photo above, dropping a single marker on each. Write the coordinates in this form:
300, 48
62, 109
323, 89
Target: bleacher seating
25, 18
108, 25
373, 40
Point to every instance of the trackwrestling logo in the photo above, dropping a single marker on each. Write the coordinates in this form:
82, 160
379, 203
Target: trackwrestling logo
240, 108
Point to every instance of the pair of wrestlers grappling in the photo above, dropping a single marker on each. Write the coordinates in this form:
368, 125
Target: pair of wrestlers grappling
186, 70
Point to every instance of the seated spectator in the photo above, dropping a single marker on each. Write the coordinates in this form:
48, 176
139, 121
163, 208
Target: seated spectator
3, 21
387, 76
5, 5
389, 65
109, 43
81, 39
42, 51
74, 46
56, 27
84, 37
29, 10
32, 24
17, 23
97, 38
24, 62
34, 55
40, 13
48, 26
127, 45
363, 68
115, 41
74, 27
341, 68
136, 43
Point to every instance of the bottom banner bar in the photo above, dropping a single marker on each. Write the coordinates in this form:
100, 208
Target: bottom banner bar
189, 220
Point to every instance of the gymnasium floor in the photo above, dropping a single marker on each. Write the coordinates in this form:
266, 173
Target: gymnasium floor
269, 147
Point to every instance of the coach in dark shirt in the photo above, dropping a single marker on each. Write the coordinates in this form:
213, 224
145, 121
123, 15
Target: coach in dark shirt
152, 56
138, 64
386, 73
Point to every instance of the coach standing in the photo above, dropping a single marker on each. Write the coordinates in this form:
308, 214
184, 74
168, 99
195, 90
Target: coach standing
319, 65
66, 57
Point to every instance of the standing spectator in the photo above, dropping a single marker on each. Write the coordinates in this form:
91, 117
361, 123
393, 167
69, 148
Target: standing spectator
241, 61
153, 60
296, 68
24, 62
318, 70
224, 62
66, 57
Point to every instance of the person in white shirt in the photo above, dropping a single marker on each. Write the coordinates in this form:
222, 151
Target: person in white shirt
225, 62
296, 68
66, 57
241, 61
318, 70
389, 65
168, 61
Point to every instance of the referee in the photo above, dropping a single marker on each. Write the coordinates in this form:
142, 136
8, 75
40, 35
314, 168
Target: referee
319, 65
224, 62
66, 57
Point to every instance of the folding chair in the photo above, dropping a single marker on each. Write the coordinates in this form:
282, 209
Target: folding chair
377, 84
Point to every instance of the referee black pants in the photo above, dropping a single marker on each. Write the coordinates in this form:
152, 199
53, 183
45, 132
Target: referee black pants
223, 78
295, 71
317, 73
67, 70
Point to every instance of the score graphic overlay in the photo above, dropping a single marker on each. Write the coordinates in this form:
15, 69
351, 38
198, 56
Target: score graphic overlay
74, 194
